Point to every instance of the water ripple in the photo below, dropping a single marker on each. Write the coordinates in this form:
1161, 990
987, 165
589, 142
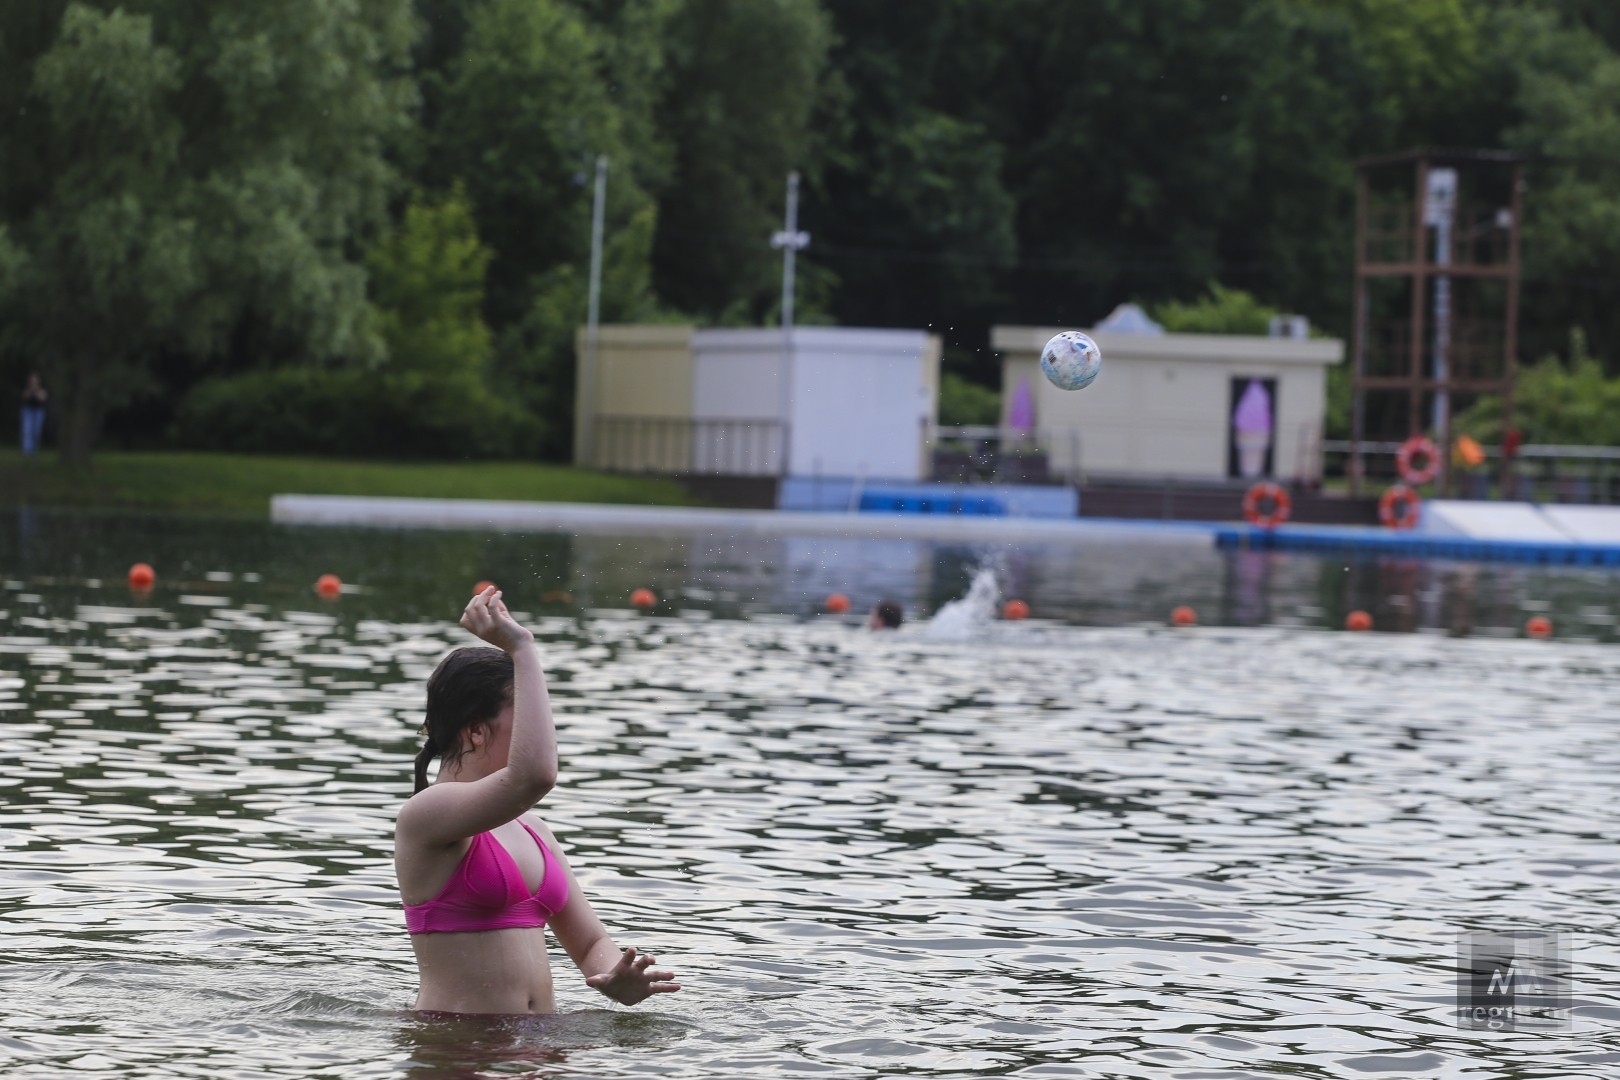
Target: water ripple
1045, 851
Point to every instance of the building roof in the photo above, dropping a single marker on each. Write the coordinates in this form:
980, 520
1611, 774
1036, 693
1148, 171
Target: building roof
1211, 348
1444, 155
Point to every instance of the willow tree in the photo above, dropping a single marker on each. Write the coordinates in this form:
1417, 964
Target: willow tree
182, 173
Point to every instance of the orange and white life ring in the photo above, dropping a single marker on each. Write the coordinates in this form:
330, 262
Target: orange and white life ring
1399, 507
1418, 446
1281, 505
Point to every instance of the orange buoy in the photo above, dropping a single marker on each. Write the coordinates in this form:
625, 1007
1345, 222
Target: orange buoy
1538, 626
329, 586
1184, 616
643, 598
837, 603
1358, 620
481, 586
141, 576
1015, 610
556, 596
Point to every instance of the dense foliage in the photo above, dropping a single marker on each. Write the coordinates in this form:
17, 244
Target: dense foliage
233, 224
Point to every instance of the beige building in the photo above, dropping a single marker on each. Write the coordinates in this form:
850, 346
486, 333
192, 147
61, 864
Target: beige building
633, 398
1207, 407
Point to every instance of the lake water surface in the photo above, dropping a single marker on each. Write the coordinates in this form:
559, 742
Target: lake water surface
1081, 846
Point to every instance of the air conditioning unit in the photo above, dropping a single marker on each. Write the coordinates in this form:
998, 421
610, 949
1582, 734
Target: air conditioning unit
1293, 327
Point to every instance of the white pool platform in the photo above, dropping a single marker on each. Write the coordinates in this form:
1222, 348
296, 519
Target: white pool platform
507, 516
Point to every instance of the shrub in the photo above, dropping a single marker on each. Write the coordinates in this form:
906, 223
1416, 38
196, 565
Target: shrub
967, 404
355, 413
1567, 402
1223, 311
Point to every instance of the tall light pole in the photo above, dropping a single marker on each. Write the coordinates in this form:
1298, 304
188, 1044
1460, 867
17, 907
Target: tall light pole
1439, 212
791, 241
593, 308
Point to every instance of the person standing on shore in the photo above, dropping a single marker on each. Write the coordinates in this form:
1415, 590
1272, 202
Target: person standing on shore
34, 398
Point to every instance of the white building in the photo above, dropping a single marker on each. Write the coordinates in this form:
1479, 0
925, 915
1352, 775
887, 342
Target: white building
823, 401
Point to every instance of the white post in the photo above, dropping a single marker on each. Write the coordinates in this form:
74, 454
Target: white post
1441, 213
593, 307
791, 241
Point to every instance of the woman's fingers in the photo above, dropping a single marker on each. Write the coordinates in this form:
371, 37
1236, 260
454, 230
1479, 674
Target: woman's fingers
479, 616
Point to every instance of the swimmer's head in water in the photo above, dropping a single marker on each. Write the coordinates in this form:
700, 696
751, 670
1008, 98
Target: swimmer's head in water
886, 615
466, 691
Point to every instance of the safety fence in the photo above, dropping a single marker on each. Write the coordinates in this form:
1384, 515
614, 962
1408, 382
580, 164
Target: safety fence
679, 445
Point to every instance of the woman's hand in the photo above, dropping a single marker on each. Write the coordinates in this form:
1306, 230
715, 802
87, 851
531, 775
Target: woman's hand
487, 617
634, 979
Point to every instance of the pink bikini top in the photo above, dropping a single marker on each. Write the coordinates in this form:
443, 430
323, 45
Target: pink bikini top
487, 892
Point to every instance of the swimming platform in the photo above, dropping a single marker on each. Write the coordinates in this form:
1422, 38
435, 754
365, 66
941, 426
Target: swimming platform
1450, 529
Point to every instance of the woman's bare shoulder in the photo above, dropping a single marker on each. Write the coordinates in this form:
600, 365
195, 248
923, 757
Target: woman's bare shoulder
541, 827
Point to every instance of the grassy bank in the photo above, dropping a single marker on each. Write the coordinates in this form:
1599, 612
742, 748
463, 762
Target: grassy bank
241, 484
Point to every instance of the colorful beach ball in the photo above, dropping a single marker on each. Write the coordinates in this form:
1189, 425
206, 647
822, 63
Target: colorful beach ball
1071, 360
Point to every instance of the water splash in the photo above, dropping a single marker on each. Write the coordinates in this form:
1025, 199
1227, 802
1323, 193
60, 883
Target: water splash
973, 615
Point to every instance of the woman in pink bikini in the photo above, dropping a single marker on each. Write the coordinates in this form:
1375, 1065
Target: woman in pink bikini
480, 876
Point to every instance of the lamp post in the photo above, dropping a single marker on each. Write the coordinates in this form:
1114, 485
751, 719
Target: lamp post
791, 240
593, 308
1439, 213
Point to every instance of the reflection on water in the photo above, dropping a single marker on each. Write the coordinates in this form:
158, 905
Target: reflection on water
442, 1047
401, 574
1050, 850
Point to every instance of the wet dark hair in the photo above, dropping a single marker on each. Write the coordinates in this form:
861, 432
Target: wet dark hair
889, 614
467, 690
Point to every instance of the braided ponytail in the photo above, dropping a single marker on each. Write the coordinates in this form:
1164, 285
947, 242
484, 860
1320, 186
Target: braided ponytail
428, 754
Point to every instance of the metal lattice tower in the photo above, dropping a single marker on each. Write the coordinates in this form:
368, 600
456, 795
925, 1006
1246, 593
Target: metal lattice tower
1436, 315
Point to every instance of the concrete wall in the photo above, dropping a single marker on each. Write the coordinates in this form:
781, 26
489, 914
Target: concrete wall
857, 403
1160, 406
862, 402
737, 387
640, 371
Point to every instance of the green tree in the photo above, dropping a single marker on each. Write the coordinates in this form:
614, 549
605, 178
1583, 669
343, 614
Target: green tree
1144, 147
1566, 401
907, 183
427, 279
744, 80
521, 122
535, 361
176, 175
966, 404
1564, 111
1221, 311
521, 113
